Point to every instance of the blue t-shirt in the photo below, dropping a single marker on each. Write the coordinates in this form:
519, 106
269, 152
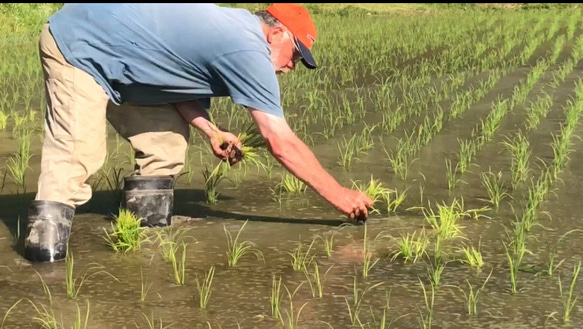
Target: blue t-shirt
148, 54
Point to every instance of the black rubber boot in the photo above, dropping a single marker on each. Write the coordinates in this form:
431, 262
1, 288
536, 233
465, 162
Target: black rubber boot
150, 198
48, 230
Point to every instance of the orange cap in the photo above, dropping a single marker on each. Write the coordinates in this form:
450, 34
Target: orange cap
299, 22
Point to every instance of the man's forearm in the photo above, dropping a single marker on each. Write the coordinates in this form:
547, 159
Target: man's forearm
197, 116
297, 157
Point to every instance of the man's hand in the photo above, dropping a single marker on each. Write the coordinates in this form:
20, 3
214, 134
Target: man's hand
226, 146
353, 203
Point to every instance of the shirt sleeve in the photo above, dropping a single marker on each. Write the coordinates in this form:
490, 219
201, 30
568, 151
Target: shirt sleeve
250, 79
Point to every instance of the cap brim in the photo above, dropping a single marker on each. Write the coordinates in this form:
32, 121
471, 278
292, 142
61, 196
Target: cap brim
307, 57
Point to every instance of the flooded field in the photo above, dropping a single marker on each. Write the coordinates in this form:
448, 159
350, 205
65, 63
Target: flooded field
464, 126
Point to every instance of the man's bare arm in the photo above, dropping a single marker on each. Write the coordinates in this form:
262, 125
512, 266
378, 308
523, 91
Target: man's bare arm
294, 154
196, 116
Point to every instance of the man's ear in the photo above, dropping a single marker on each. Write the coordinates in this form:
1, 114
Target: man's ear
275, 34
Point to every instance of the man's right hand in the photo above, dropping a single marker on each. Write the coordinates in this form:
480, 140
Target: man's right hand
353, 203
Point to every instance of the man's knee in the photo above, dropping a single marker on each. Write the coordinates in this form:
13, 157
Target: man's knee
159, 153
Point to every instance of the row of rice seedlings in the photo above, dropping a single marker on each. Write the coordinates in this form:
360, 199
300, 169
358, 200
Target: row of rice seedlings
407, 148
537, 192
561, 144
387, 88
519, 147
500, 107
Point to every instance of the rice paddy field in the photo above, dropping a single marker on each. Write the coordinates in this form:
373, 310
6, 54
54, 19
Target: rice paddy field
462, 125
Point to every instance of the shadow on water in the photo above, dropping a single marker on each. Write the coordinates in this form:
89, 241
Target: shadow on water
187, 202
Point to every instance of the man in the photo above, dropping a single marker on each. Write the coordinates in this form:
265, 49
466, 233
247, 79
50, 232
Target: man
151, 70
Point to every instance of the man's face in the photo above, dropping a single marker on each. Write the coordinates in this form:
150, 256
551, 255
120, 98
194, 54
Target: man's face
284, 53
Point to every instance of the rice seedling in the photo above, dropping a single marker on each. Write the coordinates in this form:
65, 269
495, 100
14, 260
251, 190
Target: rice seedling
169, 242
292, 184
145, 286
472, 295
302, 259
292, 317
18, 164
276, 298
394, 203
73, 283
466, 153
445, 221
358, 294
399, 159
3, 120
552, 253
79, 323
383, 322
368, 263
426, 320
236, 249
473, 257
315, 281
450, 174
567, 299
492, 182
328, 241
205, 288
519, 147
212, 180
411, 247
153, 324
277, 195
515, 250
126, 233
348, 149
434, 273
